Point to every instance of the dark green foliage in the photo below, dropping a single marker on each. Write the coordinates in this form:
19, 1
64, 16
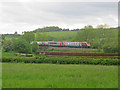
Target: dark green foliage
112, 47
2, 37
8, 45
21, 46
64, 60
48, 29
28, 36
11, 36
35, 46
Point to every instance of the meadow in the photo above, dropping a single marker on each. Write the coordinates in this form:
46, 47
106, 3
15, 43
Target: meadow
62, 35
58, 76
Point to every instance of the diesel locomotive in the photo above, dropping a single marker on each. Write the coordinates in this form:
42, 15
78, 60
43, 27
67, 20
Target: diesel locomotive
63, 44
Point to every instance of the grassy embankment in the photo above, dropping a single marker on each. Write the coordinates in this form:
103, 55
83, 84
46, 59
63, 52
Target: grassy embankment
59, 76
62, 36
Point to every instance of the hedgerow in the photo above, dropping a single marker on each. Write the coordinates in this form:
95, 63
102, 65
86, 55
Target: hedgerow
63, 60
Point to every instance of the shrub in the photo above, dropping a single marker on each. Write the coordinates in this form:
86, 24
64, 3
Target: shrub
35, 46
63, 60
8, 45
21, 46
29, 55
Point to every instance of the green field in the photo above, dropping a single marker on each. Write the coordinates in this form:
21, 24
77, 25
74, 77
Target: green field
59, 76
8, 54
62, 35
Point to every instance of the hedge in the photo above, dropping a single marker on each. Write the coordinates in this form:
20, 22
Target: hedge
63, 60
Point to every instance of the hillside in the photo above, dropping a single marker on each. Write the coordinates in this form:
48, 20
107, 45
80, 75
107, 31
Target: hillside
61, 36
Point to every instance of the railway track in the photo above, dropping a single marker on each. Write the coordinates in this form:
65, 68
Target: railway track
74, 54
73, 48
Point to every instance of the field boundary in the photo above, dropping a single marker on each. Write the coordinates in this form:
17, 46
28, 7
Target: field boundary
74, 54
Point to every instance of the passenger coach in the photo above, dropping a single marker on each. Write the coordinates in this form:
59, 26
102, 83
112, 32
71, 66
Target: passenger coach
63, 44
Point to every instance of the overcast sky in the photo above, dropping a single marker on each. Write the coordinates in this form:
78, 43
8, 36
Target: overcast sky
28, 15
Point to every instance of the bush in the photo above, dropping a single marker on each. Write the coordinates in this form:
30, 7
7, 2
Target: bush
8, 45
111, 48
29, 55
35, 46
64, 60
21, 46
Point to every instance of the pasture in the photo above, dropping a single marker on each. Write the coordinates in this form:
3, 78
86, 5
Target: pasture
62, 36
19, 75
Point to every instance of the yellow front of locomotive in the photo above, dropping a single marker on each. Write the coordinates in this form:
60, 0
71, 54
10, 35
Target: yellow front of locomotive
88, 45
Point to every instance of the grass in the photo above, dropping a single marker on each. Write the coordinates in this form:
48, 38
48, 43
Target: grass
8, 54
63, 35
59, 76
71, 50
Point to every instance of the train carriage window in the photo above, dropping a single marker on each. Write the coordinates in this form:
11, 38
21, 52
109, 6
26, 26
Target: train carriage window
38, 42
52, 42
46, 42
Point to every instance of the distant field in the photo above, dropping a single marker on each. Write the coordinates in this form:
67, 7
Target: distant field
62, 35
59, 76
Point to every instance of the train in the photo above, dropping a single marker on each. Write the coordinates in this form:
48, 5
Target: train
63, 44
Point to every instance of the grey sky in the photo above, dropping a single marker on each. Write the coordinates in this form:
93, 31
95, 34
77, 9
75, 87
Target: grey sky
27, 16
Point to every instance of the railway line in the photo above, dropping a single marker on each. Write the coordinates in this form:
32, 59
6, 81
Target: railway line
74, 54
73, 48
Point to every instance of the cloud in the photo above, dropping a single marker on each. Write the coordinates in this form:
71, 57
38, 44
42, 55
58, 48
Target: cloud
25, 16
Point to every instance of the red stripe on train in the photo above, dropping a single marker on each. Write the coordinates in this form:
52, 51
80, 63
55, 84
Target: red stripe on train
64, 44
44, 43
79, 43
60, 43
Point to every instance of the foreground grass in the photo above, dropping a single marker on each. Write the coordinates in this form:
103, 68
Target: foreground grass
59, 76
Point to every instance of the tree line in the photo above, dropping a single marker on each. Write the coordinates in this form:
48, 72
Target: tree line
100, 38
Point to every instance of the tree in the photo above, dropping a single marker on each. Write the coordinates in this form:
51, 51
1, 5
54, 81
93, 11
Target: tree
35, 46
8, 45
48, 29
103, 26
3, 38
88, 27
15, 33
28, 36
21, 46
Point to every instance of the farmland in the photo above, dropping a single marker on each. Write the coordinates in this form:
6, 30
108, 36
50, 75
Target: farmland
61, 35
59, 76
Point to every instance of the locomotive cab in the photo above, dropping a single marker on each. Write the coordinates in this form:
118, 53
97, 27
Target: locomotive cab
88, 45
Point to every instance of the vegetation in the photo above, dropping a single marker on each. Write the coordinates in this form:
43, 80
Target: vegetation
58, 76
28, 36
63, 60
61, 36
48, 29
7, 54
101, 38
35, 46
8, 45
76, 50
41, 37
21, 46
